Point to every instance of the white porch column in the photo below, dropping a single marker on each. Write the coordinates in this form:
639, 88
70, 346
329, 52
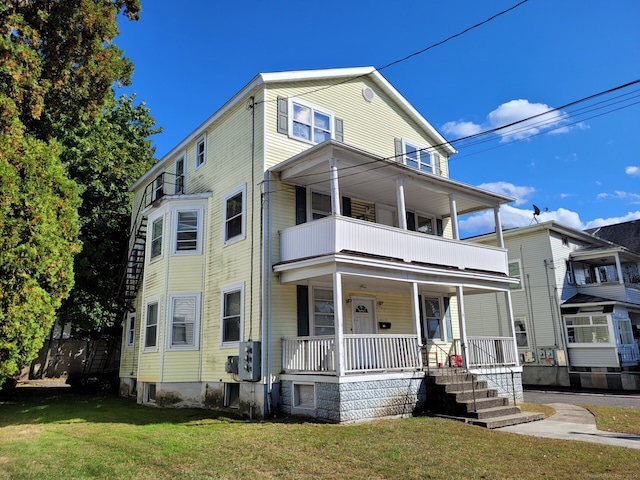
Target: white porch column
338, 318
402, 210
454, 216
335, 191
512, 325
463, 327
415, 310
619, 269
498, 222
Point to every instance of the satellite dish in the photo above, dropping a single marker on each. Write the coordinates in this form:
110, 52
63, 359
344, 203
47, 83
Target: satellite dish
536, 210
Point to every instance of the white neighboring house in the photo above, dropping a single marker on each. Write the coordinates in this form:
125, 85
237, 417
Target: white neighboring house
576, 309
299, 252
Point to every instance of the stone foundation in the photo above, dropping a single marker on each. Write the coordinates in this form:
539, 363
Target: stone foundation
352, 400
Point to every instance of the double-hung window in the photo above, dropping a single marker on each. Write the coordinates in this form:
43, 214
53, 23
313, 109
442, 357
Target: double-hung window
323, 312
151, 327
234, 215
179, 183
432, 322
201, 151
310, 123
417, 157
520, 324
131, 330
515, 270
185, 312
320, 205
156, 237
232, 314
187, 232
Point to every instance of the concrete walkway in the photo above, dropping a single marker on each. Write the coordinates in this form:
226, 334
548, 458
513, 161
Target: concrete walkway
571, 422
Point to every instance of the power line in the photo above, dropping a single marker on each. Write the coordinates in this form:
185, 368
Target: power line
414, 54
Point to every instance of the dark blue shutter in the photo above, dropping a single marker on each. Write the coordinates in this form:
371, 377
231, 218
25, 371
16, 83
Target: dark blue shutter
346, 206
447, 318
422, 333
301, 205
283, 118
439, 228
302, 294
411, 221
339, 130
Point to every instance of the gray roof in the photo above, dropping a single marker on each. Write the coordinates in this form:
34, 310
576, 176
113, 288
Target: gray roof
626, 234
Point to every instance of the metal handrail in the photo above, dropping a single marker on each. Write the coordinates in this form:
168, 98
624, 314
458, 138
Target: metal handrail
497, 379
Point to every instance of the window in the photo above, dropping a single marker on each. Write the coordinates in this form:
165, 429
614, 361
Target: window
150, 393
232, 395
304, 395
310, 123
571, 279
320, 205
151, 328
432, 328
232, 314
201, 152
156, 238
158, 187
131, 330
187, 231
521, 332
185, 314
418, 222
587, 329
234, 218
416, 157
515, 271
179, 186
323, 312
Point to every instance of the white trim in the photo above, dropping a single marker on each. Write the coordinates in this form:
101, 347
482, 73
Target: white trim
242, 235
313, 108
147, 303
152, 220
223, 291
196, 322
421, 150
175, 211
130, 329
312, 309
523, 320
519, 287
201, 140
182, 157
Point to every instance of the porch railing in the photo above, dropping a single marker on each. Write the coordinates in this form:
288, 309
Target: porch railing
629, 354
491, 352
362, 353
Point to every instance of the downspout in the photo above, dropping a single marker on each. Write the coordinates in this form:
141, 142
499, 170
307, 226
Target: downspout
551, 306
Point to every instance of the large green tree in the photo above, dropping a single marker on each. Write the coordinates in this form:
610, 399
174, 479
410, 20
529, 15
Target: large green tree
58, 66
105, 157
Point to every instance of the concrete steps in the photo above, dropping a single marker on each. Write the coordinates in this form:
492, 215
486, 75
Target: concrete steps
451, 395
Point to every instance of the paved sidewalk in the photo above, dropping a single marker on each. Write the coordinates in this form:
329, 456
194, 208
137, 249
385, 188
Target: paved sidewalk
571, 422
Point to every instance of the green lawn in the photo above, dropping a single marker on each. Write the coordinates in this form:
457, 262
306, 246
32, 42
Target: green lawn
61, 435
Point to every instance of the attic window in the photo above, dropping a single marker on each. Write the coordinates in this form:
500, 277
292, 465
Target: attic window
307, 122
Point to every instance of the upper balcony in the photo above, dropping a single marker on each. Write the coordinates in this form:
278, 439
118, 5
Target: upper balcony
337, 234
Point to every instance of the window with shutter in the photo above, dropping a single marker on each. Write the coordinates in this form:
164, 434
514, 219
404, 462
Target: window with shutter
308, 122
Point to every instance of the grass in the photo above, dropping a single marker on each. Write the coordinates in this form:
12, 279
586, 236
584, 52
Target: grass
67, 436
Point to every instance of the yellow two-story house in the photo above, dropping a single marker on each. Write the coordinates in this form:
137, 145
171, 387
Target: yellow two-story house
299, 253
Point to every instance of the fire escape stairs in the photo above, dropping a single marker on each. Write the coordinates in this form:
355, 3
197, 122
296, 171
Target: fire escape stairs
459, 395
135, 264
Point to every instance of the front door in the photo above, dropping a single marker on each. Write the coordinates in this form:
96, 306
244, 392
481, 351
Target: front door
364, 321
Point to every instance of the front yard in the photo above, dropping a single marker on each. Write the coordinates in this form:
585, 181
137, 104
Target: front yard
62, 435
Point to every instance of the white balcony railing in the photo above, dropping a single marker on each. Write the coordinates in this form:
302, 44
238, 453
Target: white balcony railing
336, 233
362, 353
491, 352
629, 354
375, 353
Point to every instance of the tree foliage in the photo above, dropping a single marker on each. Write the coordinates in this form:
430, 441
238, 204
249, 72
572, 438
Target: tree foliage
105, 157
38, 238
57, 70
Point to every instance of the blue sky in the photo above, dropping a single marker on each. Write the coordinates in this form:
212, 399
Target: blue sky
580, 166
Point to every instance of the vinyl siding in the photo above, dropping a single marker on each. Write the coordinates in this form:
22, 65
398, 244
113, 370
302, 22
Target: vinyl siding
385, 119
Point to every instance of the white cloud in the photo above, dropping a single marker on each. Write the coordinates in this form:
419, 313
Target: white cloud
567, 195
632, 170
511, 112
520, 193
512, 217
634, 197
461, 129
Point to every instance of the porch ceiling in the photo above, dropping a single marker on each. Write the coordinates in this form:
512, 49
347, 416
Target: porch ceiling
370, 177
